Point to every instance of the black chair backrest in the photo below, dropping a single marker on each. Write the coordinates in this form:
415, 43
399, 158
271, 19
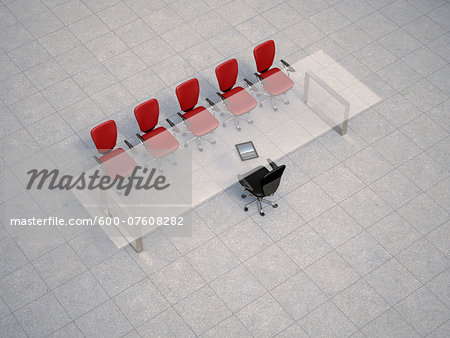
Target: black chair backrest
271, 180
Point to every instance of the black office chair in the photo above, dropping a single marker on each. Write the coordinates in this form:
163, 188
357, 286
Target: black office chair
260, 183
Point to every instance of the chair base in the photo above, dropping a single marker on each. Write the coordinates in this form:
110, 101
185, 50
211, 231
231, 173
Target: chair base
199, 142
172, 162
273, 99
236, 121
259, 201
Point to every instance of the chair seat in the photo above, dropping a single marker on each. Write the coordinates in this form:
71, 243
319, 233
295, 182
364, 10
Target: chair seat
160, 142
200, 121
118, 163
277, 82
239, 101
254, 179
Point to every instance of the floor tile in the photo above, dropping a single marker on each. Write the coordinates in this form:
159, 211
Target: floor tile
335, 226
377, 25
72, 11
439, 238
424, 61
332, 274
163, 20
282, 16
42, 317
10, 327
59, 42
271, 266
393, 281
424, 95
50, 130
113, 99
440, 46
401, 12
354, 9
14, 36
313, 159
202, 310
368, 165
135, 33
299, 295
141, 302
440, 79
230, 327
70, 330
424, 131
308, 8
117, 15
236, 12
106, 46
398, 110
423, 260
212, 259
191, 37
339, 183
117, 273
423, 311
375, 56
361, 303
177, 280
245, 239
364, 253
311, 33
237, 288
394, 233
43, 24
439, 286
399, 75
439, 15
256, 29
329, 20
29, 55
395, 189
309, 201
265, 317
342, 146
439, 193
389, 324
304, 246
166, 324
105, 320
327, 321
351, 38
228, 42
16, 88
88, 28
400, 43
80, 295
59, 266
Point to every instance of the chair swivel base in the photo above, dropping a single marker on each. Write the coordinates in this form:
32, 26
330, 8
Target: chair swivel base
199, 142
259, 201
273, 99
236, 121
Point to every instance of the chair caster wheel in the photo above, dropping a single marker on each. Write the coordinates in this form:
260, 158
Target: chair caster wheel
262, 214
224, 125
275, 109
200, 149
184, 133
238, 129
213, 142
243, 196
250, 122
185, 145
286, 102
260, 105
222, 114
173, 162
275, 205
245, 209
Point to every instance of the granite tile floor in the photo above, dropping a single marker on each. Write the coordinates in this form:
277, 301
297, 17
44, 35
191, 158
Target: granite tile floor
359, 245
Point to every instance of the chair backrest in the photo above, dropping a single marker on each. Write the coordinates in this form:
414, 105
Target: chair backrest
264, 55
147, 115
105, 136
187, 94
271, 181
226, 74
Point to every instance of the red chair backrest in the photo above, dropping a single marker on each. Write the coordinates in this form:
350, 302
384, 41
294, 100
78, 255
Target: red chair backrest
264, 55
187, 94
226, 74
147, 115
105, 136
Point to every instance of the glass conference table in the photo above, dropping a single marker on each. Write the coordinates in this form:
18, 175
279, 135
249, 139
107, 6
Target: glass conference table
324, 96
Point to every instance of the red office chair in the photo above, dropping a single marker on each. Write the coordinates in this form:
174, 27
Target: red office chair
159, 141
198, 120
274, 81
116, 162
237, 100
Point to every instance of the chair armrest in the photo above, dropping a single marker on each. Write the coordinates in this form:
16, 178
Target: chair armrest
260, 79
287, 66
251, 85
129, 145
223, 99
97, 160
140, 138
173, 126
212, 105
185, 120
245, 183
272, 163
